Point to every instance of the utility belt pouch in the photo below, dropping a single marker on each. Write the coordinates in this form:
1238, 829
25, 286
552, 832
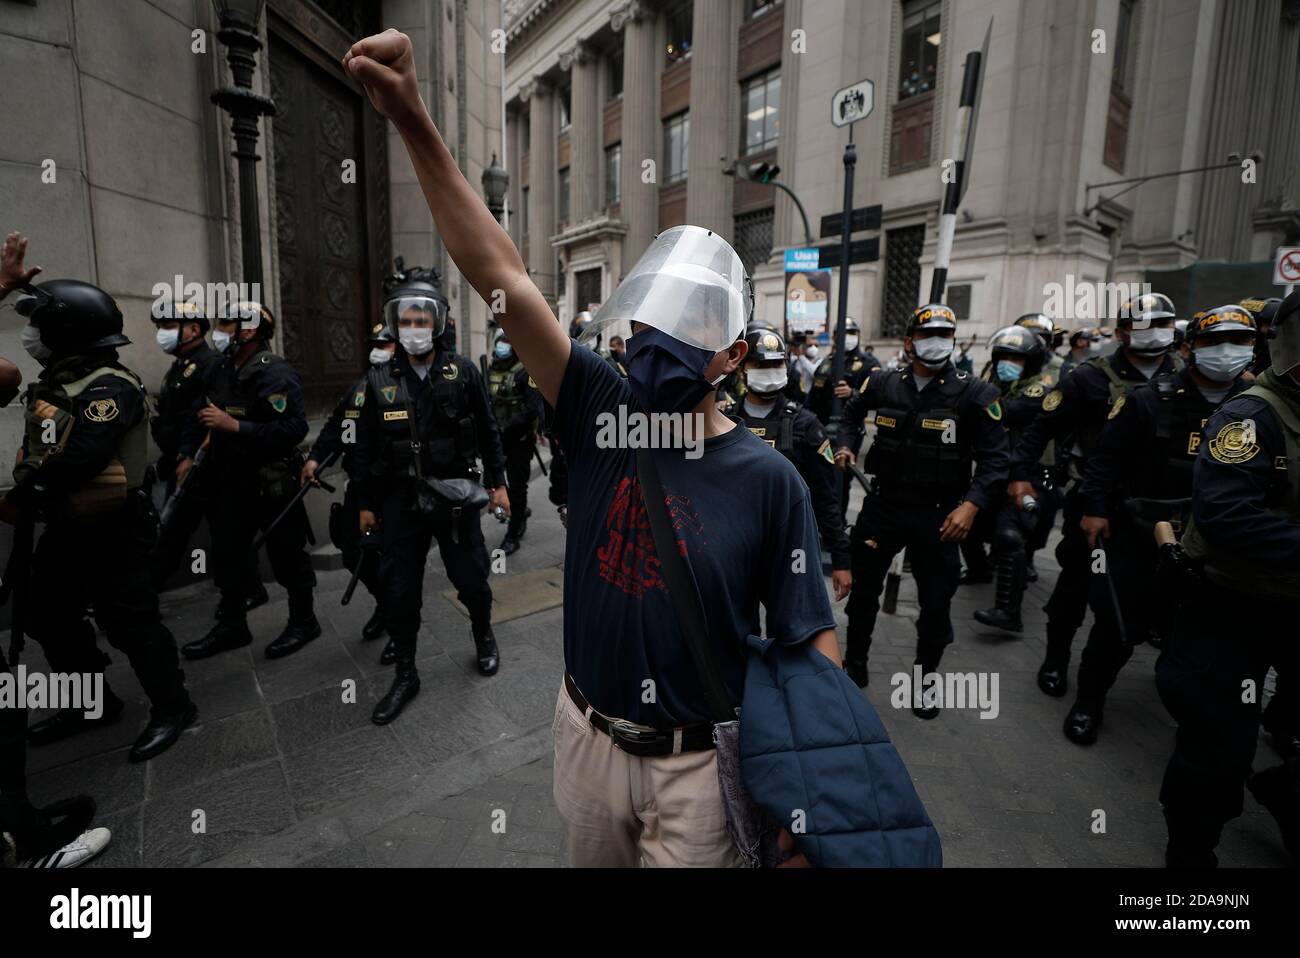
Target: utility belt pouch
440, 499
103, 494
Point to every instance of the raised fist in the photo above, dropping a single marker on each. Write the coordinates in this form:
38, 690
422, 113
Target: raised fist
385, 65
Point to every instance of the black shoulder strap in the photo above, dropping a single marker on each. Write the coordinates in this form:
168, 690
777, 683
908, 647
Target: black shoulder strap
416, 446
682, 590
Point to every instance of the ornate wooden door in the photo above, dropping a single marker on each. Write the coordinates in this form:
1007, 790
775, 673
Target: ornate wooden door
330, 261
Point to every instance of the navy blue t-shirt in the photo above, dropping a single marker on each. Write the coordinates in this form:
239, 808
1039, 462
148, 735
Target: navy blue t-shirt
743, 515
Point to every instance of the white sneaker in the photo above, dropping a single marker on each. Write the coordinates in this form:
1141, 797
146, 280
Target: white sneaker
77, 852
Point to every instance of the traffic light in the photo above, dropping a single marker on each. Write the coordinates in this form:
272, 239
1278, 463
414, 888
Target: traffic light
764, 172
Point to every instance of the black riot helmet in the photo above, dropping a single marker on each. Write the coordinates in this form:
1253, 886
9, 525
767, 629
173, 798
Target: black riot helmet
1145, 308
1284, 335
185, 312
931, 316
380, 333
414, 288
1040, 323
72, 316
1021, 342
250, 314
1264, 310
765, 345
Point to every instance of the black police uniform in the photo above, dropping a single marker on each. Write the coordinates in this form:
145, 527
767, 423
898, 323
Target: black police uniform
822, 390
254, 474
1073, 416
344, 522
517, 406
797, 434
1237, 617
922, 472
1144, 457
84, 480
1014, 531
453, 426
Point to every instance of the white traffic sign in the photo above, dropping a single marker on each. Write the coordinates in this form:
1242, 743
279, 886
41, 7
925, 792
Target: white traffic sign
1286, 268
853, 103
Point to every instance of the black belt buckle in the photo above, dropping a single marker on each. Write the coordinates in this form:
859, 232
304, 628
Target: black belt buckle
636, 741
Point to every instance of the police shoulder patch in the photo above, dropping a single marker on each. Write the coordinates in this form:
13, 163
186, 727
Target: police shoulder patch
825, 451
359, 398
102, 410
279, 401
1034, 390
994, 409
389, 393
1235, 443
1052, 400
1115, 409
189, 371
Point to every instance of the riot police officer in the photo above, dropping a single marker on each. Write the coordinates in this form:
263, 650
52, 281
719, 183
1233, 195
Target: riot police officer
1143, 464
517, 406
798, 435
1018, 358
933, 423
856, 370
338, 438
425, 416
1084, 344
580, 322
1050, 334
1239, 614
82, 472
1073, 415
1263, 308
254, 417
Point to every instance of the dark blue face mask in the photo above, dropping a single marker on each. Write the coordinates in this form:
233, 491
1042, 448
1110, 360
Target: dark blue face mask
665, 374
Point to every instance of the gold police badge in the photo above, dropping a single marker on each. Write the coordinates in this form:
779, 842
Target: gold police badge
1035, 390
1115, 409
1235, 443
1052, 400
450, 371
102, 410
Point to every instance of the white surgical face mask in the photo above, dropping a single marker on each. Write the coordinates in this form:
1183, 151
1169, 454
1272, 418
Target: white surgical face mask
811, 352
1152, 340
850, 341
762, 380
221, 340
933, 351
1222, 362
31, 338
417, 341
168, 339
379, 356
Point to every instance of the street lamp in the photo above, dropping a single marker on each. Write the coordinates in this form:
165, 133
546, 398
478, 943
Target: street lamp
239, 21
495, 183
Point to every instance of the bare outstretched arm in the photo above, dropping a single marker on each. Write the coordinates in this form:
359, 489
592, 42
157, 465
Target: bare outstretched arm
385, 65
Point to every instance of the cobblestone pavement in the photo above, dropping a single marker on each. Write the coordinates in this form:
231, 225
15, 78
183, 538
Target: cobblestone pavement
282, 771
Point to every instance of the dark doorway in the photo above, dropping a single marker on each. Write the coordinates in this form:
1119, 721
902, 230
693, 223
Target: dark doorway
330, 202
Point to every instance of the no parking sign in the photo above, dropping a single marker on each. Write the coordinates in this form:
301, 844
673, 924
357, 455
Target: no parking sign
1286, 268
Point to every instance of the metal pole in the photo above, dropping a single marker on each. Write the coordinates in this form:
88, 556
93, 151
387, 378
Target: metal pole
846, 231
803, 214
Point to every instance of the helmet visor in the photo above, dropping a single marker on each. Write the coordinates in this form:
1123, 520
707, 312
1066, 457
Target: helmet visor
415, 312
689, 284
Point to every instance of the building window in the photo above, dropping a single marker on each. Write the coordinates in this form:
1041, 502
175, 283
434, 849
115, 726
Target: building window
613, 173
911, 123
677, 141
562, 201
677, 39
918, 61
1121, 74
902, 278
561, 278
614, 73
753, 234
760, 100
525, 130
757, 8
566, 106
587, 289
1121, 79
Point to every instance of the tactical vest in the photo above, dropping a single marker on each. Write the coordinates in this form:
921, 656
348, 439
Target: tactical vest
1034, 388
919, 445
449, 443
1240, 572
777, 431
1118, 387
1181, 414
125, 470
507, 395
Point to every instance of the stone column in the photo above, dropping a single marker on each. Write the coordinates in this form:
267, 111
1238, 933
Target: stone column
540, 97
714, 104
584, 132
639, 206
511, 162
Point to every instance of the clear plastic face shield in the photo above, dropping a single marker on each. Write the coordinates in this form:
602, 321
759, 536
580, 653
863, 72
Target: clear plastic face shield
415, 312
689, 284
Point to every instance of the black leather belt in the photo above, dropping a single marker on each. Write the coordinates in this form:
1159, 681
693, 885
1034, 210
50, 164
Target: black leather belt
641, 742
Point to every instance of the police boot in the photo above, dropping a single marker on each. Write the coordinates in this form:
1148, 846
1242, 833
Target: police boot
226, 634
1191, 842
68, 722
389, 655
1053, 674
258, 596
1083, 723
1005, 613
855, 656
510, 544
924, 711
1031, 571
1278, 791
376, 625
162, 732
302, 628
406, 686
485, 645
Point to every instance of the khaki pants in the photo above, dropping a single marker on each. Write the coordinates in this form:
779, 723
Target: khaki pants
621, 811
